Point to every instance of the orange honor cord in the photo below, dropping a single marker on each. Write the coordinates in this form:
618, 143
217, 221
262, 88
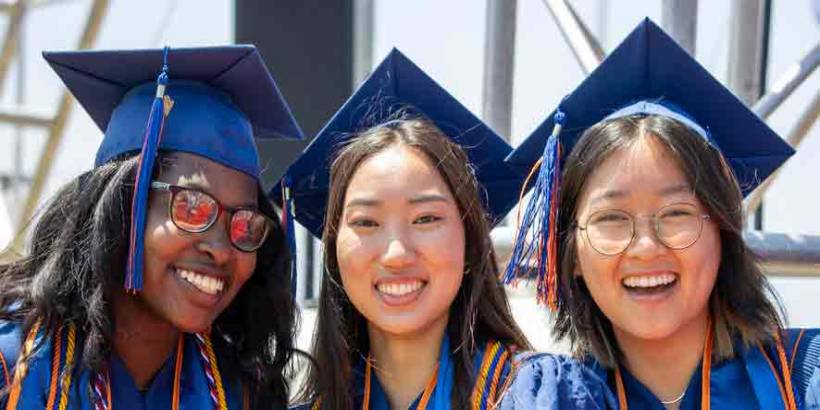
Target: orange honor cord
222, 403
791, 403
428, 391
783, 378
794, 348
706, 365
55, 367
425, 396
706, 368
5, 368
21, 368
497, 375
71, 346
177, 374
481, 380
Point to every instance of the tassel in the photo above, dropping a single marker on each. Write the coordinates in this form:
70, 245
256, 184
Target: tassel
288, 213
536, 238
153, 135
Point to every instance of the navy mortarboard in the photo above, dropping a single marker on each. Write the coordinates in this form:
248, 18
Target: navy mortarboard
211, 101
650, 74
399, 86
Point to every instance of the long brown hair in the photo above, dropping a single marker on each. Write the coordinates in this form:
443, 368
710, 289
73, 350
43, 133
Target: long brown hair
738, 303
479, 312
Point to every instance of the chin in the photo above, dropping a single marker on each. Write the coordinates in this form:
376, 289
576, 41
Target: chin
196, 325
650, 329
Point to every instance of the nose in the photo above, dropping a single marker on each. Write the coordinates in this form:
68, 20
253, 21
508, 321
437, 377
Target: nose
399, 252
645, 243
216, 243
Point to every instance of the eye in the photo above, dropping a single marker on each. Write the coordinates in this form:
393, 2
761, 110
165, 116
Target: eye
427, 219
363, 223
609, 217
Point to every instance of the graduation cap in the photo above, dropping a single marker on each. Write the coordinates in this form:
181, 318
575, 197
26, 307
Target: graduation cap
649, 74
210, 101
397, 85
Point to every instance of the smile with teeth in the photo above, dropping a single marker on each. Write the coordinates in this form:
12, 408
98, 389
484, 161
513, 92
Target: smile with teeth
206, 284
399, 289
649, 281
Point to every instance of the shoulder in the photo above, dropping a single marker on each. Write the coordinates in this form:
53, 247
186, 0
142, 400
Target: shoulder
804, 361
550, 381
10, 342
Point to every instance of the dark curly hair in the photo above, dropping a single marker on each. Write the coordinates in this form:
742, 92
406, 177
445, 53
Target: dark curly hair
77, 258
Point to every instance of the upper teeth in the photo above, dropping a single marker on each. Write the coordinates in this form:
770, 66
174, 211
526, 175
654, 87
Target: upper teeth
399, 289
207, 284
648, 281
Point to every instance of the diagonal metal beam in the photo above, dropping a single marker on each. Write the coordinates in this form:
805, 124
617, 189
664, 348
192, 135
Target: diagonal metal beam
89, 35
15, 13
790, 80
804, 123
583, 44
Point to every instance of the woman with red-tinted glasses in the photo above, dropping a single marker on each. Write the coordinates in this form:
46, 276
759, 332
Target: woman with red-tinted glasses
146, 275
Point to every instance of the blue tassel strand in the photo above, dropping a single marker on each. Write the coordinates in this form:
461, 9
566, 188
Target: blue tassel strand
139, 203
536, 236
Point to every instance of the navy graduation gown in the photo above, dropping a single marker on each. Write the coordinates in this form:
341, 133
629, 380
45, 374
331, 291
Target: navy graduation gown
497, 360
194, 391
746, 382
555, 382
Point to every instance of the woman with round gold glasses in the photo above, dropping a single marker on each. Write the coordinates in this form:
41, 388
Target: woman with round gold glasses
635, 229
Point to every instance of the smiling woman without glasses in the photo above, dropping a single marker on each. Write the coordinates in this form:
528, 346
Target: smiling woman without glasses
411, 312
647, 268
193, 239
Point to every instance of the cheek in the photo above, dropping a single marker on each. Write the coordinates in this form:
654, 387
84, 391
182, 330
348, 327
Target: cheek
444, 253
596, 270
352, 256
245, 267
702, 261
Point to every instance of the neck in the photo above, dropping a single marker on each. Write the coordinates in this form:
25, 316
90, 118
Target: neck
665, 366
142, 340
405, 363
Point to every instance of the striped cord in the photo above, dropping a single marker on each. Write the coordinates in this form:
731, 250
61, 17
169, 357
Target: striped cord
209, 364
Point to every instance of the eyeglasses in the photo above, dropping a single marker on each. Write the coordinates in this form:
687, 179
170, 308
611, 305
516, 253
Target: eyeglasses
195, 211
611, 231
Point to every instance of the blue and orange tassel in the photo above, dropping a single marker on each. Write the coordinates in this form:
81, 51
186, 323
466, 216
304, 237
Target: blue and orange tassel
536, 238
153, 135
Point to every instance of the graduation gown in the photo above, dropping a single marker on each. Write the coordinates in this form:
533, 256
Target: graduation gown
491, 365
746, 382
555, 382
36, 386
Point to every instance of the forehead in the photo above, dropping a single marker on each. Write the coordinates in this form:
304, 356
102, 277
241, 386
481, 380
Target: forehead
191, 170
643, 168
397, 169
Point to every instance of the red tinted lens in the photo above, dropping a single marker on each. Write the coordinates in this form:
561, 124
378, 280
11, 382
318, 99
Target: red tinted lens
194, 211
248, 229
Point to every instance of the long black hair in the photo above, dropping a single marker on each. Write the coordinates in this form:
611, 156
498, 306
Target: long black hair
480, 311
77, 258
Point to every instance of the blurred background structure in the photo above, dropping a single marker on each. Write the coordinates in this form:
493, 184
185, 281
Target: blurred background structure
509, 61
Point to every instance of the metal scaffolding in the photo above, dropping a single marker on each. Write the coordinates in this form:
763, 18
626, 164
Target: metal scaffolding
56, 123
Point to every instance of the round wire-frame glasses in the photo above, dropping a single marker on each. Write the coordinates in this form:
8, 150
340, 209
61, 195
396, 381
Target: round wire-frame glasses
611, 231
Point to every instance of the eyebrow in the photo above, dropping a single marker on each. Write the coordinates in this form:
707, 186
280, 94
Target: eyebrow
419, 199
665, 191
199, 187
